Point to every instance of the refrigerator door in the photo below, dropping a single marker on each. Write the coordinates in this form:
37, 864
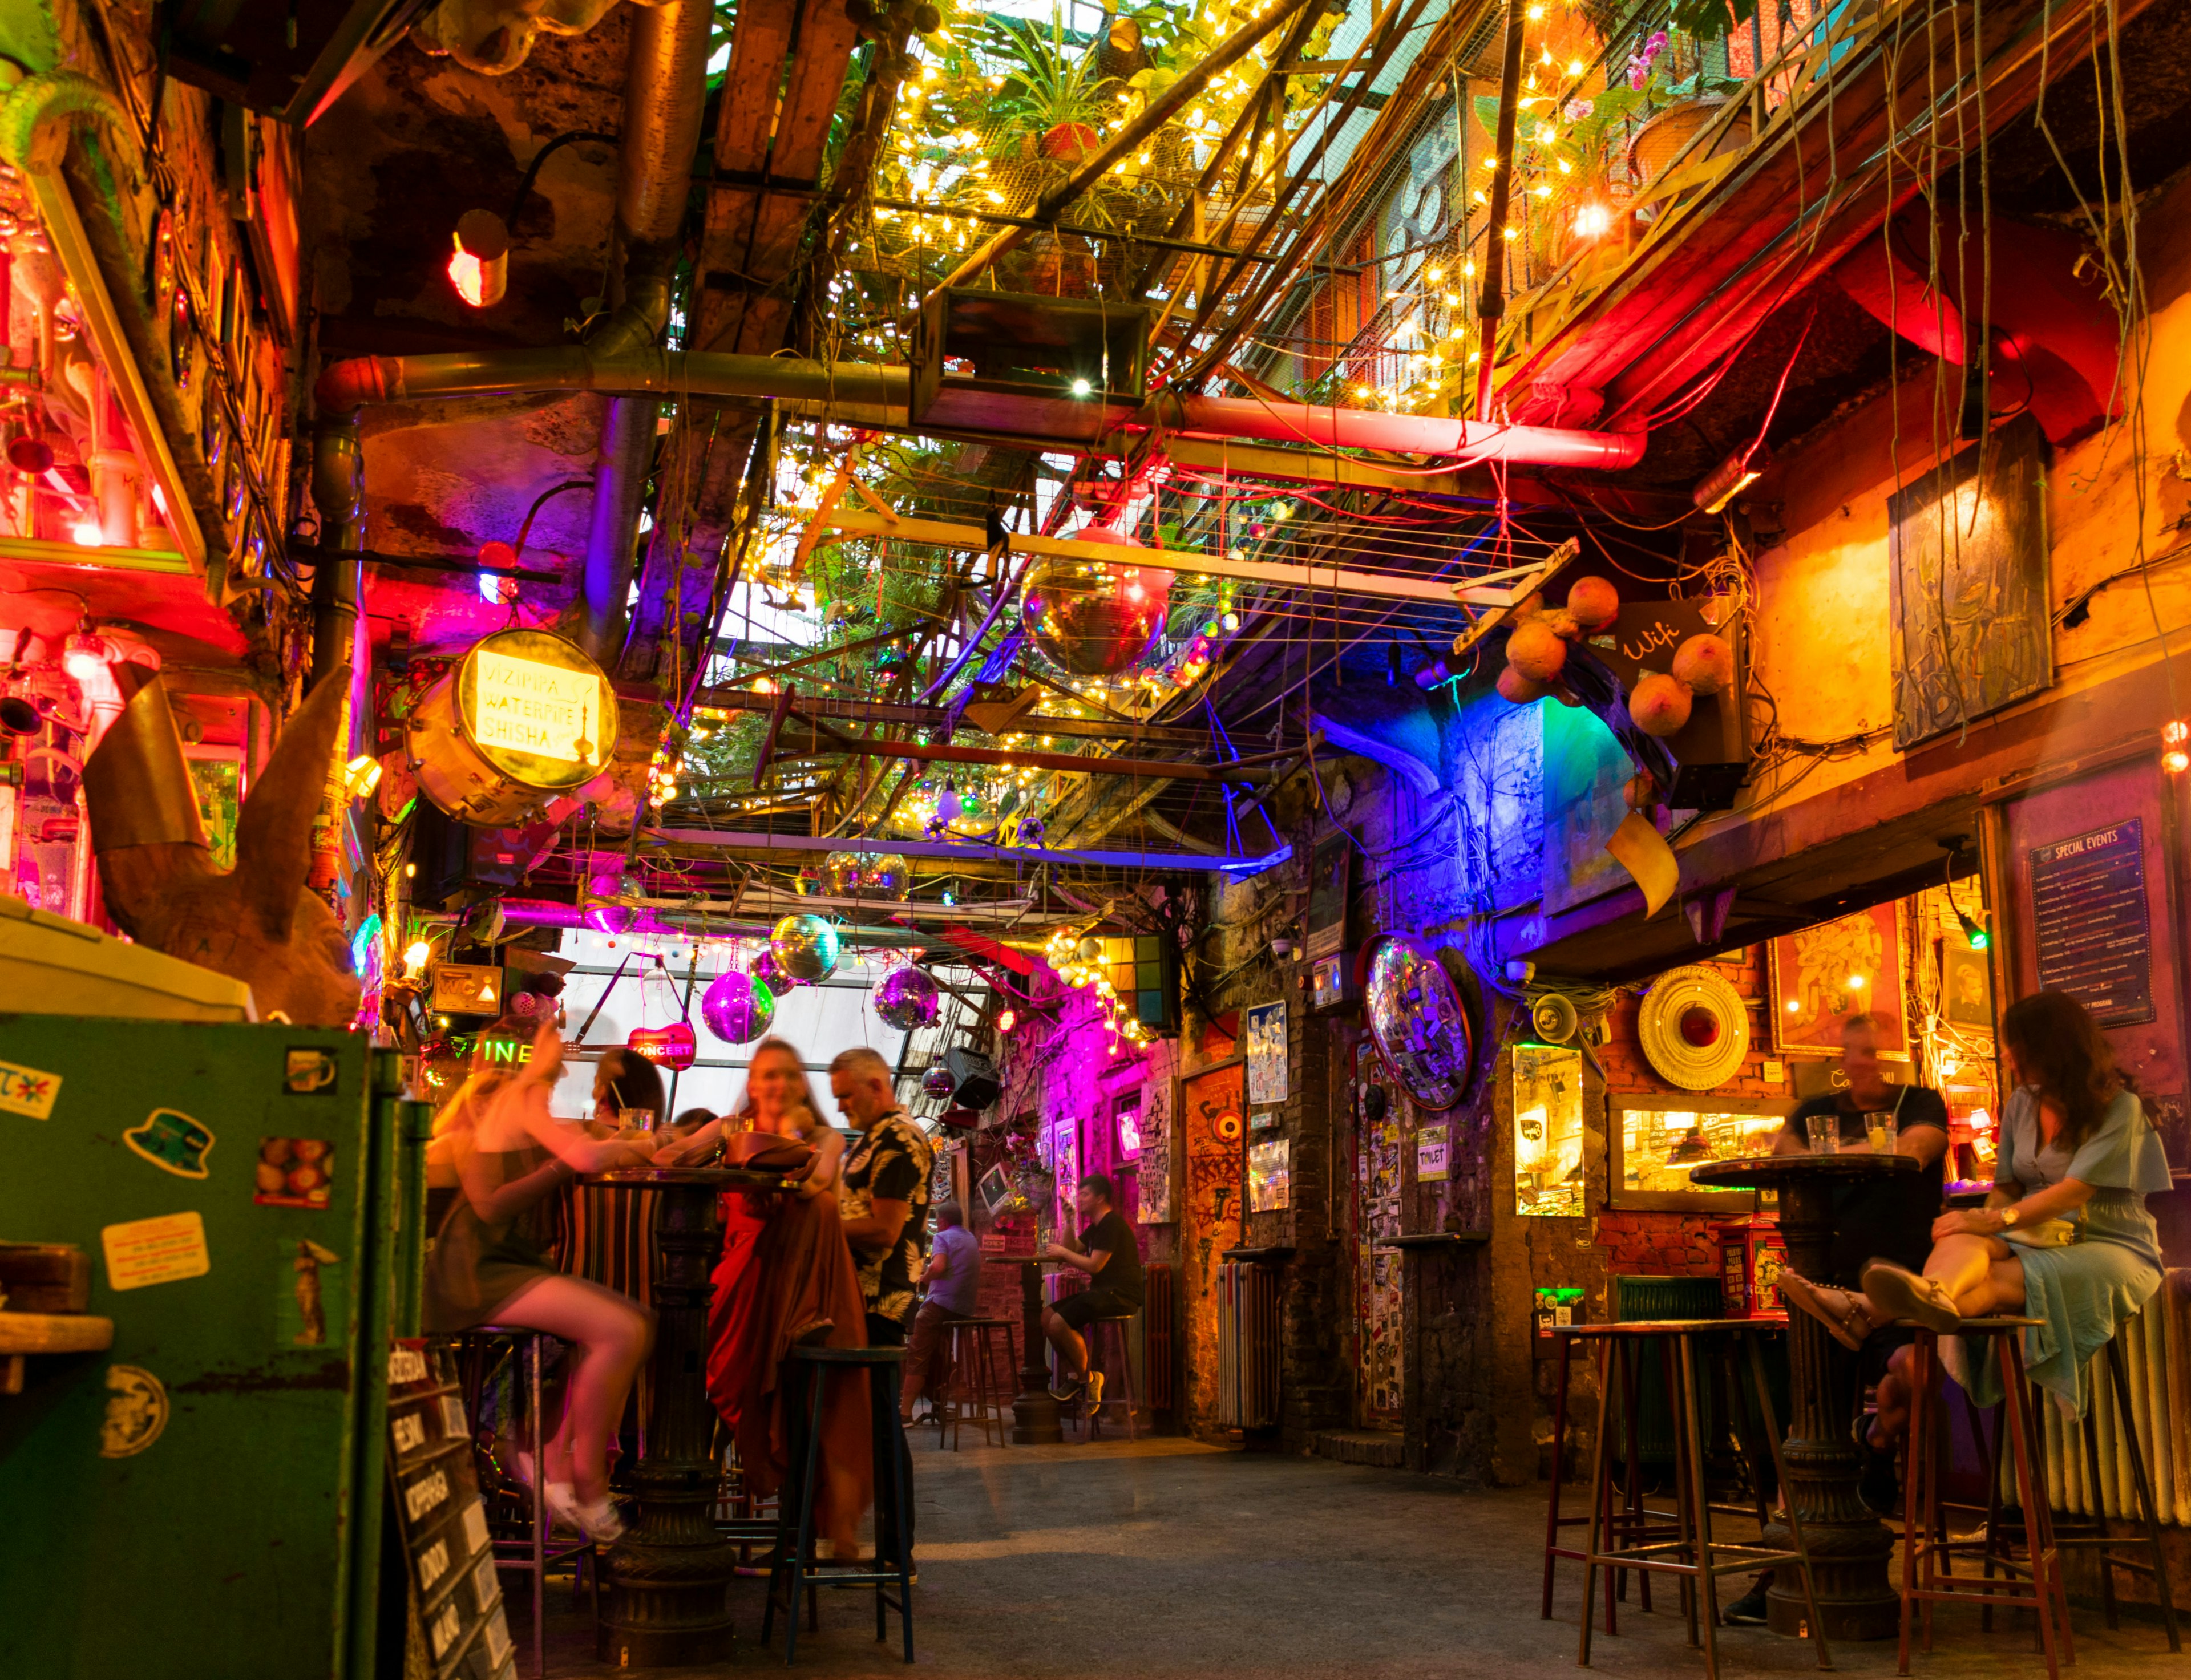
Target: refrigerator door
202, 1501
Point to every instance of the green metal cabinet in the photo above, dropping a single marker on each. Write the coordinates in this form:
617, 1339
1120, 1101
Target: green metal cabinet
204, 1499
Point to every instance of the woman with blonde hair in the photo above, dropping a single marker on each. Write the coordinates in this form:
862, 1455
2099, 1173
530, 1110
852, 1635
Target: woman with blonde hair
490, 1263
786, 1276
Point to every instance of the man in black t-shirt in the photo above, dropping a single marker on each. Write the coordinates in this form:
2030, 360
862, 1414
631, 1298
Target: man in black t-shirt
1108, 1254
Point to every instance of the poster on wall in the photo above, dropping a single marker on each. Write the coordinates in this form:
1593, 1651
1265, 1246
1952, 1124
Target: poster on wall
1823, 975
1331, 869
1157, 1164
1433, 1155
1270, 1176
1267, 1053
1965, 988
1065, 1162
2091, 929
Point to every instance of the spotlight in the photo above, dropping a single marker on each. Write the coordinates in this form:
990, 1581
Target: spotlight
2175, 738
361, 776
1731, 478
1081, 387
480, 268
1008, 1020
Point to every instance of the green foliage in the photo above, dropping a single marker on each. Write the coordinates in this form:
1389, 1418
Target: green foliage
1711, 20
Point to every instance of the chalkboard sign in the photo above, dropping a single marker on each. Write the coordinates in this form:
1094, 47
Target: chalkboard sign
2093, 930
444, 1526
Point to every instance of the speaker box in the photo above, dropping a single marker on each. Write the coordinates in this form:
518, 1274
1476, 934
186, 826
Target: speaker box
973, 1081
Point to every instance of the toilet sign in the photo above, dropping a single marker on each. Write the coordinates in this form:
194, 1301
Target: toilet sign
1433, 1145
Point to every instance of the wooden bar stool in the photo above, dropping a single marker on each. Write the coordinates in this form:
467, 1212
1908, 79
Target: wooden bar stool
978, 1381
1928, 1552
1118, 1327
2091, 1531
1693, 1555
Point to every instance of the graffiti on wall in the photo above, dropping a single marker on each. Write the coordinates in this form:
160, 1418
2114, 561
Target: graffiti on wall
1212, 1121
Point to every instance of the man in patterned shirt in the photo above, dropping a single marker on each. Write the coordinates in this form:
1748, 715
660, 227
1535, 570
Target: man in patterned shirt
882, 1195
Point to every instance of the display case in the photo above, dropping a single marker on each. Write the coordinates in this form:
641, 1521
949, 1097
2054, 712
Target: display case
1657, 1141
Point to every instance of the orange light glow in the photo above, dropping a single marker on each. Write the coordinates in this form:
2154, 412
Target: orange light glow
1593, 221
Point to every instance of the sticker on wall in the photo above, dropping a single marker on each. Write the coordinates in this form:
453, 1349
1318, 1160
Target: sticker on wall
173, 1142
1225, 1124
307, 1296
136, 1411
141, 1252
1266, 1053
294, 1172
1433, 1155
309, 1073
27, 1091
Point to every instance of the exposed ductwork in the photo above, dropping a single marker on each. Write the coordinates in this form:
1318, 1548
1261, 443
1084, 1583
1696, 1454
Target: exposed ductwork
853, 394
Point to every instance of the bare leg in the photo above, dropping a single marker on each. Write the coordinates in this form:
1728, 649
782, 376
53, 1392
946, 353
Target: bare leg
1984, 1277
1066, 1340
610, 1334
1893, 1414
1959, 1263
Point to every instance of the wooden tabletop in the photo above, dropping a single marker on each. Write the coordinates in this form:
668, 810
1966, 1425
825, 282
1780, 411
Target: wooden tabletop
1770, 1172
660, 1177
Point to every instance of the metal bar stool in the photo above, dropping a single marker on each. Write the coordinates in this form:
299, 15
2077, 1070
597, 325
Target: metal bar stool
977, 1380
1092, 1417
795, 1565
1928, 1552
520, 1529
1694, 1555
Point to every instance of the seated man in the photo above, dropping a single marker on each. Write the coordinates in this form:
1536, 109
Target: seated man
1107, 1253
953, 1280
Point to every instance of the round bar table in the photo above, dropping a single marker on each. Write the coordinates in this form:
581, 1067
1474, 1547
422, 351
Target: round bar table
1034, 1408
1849, 1546
667, 1577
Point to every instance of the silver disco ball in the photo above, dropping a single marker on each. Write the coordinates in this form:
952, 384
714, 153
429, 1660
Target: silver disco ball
1095, 619
868, 875
937, 1082
907, 998
805, 947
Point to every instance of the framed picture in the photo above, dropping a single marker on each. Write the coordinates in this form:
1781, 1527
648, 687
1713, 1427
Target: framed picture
1549, 1177
1266, 1053
1965, 988
1270, 1176
1657, 1140
1331, 865
217, 776
1126, 1114
1823, 975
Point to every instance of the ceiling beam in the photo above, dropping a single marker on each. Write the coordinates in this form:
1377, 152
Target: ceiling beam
969, 851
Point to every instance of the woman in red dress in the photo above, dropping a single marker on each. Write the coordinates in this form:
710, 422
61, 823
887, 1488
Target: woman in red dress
787, 1276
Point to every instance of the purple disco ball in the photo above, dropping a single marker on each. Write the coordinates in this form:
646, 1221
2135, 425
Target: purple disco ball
766, 971
937, 1082
907, 998
737, 1007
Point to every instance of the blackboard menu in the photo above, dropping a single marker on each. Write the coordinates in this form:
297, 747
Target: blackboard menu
2093, 931
437, 1506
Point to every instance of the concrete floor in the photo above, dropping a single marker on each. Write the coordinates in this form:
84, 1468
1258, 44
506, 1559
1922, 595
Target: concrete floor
1166, 1560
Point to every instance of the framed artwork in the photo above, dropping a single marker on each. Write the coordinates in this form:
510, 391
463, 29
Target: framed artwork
217, 775
1548, 1166
1823, 975
1657, 1141
1332, 866
1266, 1053
1270, 1176
1126, 1119
1965, 988
1969, 612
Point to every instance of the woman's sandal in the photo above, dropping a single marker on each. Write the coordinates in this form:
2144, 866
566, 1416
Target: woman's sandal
1847, 1316
815, 1334
1898, 1292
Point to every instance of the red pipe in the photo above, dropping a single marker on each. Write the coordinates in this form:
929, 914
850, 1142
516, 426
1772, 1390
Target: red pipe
1468, 441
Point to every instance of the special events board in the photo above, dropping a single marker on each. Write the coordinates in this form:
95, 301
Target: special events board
2094, 928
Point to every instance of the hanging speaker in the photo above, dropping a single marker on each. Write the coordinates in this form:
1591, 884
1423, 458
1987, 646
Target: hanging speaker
973, 1081
1553, 1019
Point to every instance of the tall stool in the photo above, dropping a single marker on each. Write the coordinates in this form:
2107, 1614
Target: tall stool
2092, 1532
520, 1527
1618, 1356
795, 1564
977, 1380
1117, 1326
1928, 1552
1694, 1555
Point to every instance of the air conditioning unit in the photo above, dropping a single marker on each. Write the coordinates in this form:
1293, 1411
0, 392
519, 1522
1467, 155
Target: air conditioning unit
1064, 370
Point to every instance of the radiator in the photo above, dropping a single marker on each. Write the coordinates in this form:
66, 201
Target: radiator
1247, 1346
2156, 1348
1159, 1330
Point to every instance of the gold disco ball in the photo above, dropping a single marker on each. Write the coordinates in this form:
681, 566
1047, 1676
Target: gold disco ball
1093, 618
868, 875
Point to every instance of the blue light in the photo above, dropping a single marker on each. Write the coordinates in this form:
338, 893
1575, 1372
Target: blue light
364, 943
1242, 868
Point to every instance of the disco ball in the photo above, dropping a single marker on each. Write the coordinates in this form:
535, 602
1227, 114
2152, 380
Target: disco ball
767, 971
805, 947
737, 1007
938, 1083
1096, 621
907, 998
1419, 1021
868, 875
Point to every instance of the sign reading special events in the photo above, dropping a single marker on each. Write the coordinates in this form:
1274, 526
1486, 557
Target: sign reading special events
528, 706
2093, 928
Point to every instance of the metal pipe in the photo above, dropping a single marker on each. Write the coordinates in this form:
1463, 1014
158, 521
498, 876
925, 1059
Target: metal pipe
1491, 301
338, 494
957, 851
851, 394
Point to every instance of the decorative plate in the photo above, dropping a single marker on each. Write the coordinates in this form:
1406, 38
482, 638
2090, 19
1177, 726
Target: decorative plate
1693, 1028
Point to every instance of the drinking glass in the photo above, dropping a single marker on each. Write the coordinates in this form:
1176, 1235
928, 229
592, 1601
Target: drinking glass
1824, 1130
1880, 1128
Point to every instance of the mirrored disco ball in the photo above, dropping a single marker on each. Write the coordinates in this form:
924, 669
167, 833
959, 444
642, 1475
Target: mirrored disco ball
737, 1007
806, 947
868, 875
937, 1082
768, 972
908, 998
1419, 1021
1094, 620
